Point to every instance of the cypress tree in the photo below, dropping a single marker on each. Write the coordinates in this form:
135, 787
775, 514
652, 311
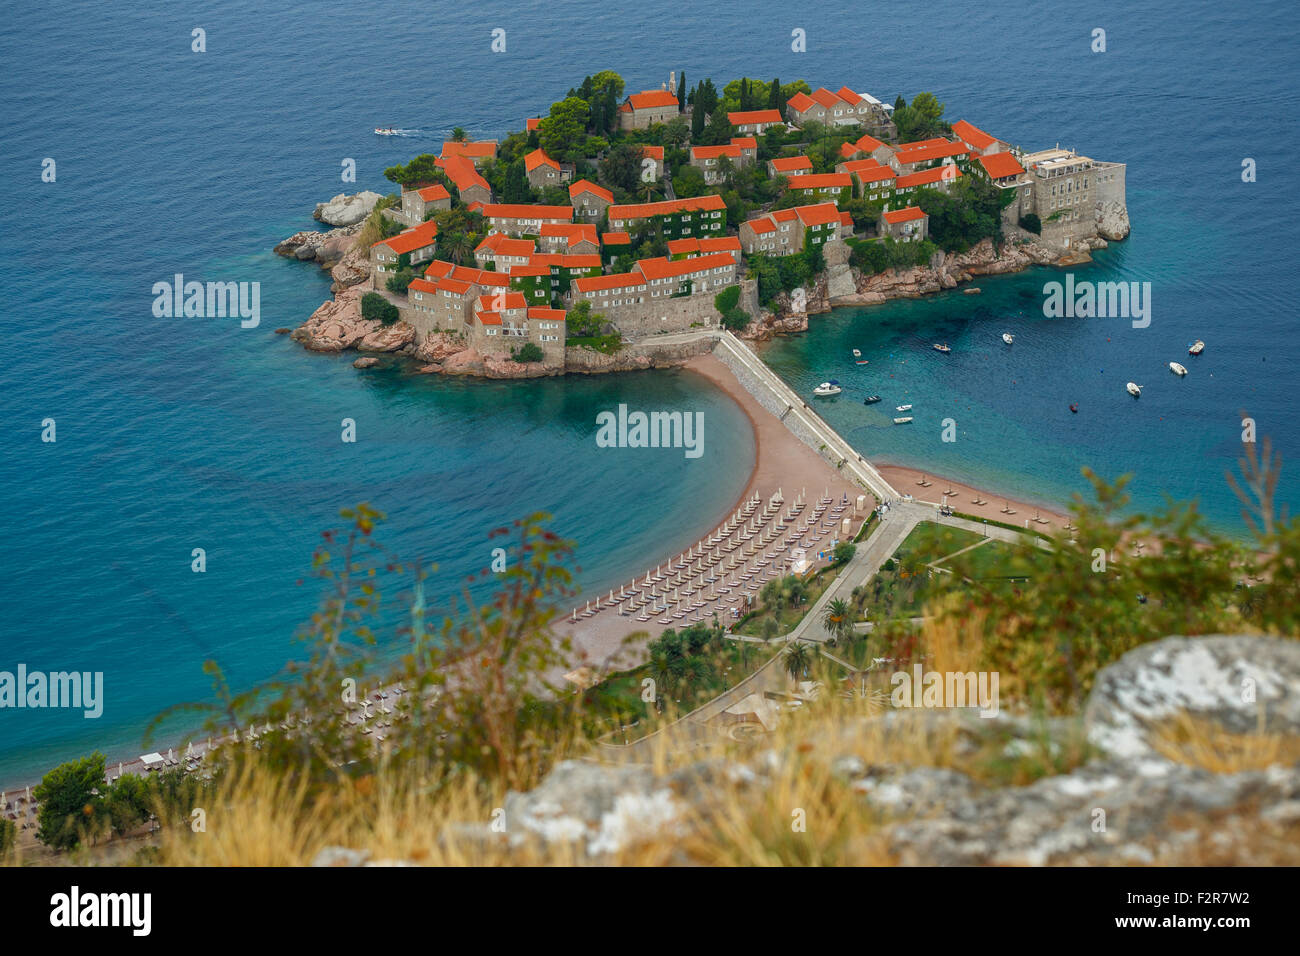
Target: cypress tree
774, 96
681, 93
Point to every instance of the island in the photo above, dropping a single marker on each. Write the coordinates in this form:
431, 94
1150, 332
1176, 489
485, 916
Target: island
622, 232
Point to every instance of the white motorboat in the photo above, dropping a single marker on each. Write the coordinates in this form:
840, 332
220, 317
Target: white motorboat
1177, 369
857, 353
827, 388
1196, 348
385, 131
857, 357
902, 421
1134, 390
1008, 337
942, 348
903, 408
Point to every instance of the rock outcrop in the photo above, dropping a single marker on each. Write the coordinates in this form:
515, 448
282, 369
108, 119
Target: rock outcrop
1126, 805
345, 210
338, 325
1112, 220
335, 250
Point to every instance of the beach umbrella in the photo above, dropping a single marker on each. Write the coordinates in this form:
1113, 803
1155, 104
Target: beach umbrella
119, 768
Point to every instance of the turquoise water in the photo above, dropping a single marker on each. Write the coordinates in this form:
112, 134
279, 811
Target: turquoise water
175, 434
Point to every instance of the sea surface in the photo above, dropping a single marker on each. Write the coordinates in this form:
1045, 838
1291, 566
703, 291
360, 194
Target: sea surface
175, 434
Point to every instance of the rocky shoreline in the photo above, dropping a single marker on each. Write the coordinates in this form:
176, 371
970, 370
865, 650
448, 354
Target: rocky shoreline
337, 325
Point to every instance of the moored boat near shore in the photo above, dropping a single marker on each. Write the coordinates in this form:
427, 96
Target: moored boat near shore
1177, 369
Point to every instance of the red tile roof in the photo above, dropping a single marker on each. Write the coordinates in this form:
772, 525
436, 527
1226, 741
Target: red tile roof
761, 225
422, 285
800, 102
873, 174
501, 244
573, 231
495, 301
488, 318
620, 280
548, 315
526, 211
826, 98
539, 158
924, 154
906, 214
652, 152
848, 96
859, 165
586, 186
531, 123
917, 144
999, 165
411, 239
433, 193
481, 150
754, 116
791, 164
820, 181
616, 239
819, 214
693, 244
530, 269
652, 99
670, 268
666, 207
927, 176
461, 172
714, 152
744, 142
973, 136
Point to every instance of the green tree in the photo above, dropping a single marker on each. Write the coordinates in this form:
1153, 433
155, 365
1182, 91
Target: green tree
844, 551
529, 352
375, 306
837, 619
128, 802
564, 131
517, 189
458, 135
621, 167
922, 119
797, 658
581, 322
70, 803
422, 170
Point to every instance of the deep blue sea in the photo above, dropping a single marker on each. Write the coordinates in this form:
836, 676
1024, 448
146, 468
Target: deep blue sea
174, 434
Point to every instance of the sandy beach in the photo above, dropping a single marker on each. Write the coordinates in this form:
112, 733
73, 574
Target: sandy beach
907, 481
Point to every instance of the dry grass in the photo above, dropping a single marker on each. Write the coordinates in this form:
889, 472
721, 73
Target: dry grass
1201, 743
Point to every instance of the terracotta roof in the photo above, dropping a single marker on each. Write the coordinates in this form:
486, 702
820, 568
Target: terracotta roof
846, 219
502, 244
485, 277
670, 268
927, 176
820, 181
754, 116
800, 102
488, 318
422, 285
461, 172
494, 301
713, 152
531, 123
999, 165
411, 239
616, 239
653, 152
694, 244
573, 231
432, 193
940, 150
438, 269
906, 214
744, 142
972, 135
666, 207
549, 315
530, 269
819, 214
458, 286
873, 174
481, 150
761, 225
868, 143
859, 165
526, 211
539, 158
589, 261
826, 98
848, 96
620, 280
791, 164
586, 186
917, 144
652, 99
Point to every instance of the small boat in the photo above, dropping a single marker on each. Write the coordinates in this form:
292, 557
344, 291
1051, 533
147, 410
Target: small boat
902, 421
1134, 390
942, 348
385, 131
903, 408
1008, 337
871, 400
857, 353
1074, 407
827, 388
1196, 348
1177, 369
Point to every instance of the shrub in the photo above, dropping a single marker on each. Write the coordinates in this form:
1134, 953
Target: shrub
400, 281
735, 319
69, 804
375, 306
727, 299
844, 552
530, 352
1031, 223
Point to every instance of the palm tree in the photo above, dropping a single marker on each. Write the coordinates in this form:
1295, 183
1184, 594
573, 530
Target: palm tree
797, 658
837, 619
457, 245
661, 672
458, 135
